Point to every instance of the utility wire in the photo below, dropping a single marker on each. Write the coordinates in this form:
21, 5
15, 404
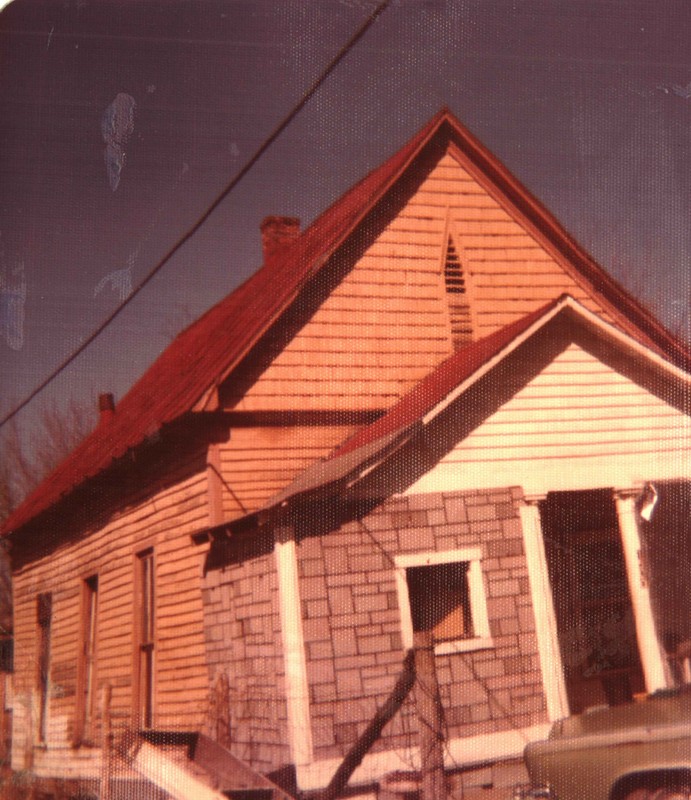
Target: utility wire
314, 88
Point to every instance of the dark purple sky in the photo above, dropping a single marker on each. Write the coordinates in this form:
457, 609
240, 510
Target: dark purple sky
588, 102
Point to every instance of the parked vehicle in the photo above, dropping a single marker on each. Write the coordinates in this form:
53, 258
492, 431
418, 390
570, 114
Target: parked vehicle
637, 751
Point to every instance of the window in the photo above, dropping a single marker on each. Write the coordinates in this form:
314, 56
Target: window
86, 667
456, 283
6, 655
439, 600
444, 593
44, 616
145, 633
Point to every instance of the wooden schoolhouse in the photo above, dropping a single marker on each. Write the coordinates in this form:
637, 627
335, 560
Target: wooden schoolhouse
430, 410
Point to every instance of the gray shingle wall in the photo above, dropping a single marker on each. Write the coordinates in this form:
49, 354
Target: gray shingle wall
352, 620
352, 629
243, 640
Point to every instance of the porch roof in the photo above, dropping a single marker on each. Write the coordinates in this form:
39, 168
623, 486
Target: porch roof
373, 444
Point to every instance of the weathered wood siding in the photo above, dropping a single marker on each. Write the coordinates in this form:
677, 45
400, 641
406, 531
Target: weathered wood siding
510, 272
164, 522
578, 424
386, 325
258, 462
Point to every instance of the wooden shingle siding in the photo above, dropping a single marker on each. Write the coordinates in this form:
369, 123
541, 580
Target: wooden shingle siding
164, 522
387, 323
243, 642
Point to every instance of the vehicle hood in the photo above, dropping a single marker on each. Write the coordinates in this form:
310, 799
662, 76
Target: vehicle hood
660, 709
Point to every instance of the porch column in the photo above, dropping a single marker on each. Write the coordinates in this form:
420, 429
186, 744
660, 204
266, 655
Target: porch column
543, 608
646, 634
297, 687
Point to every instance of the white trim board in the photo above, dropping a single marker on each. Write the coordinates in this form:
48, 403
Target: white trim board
461, 752
476, 589
588, 318
550, 476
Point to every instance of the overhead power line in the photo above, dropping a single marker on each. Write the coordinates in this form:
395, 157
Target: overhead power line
278, 130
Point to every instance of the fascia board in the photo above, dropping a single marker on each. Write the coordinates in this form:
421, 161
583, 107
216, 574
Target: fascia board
590, 319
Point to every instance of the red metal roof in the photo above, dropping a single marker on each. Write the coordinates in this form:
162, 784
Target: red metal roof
205, 352
212, 347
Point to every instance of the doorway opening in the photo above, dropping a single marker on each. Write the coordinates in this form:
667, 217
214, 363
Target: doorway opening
595, 624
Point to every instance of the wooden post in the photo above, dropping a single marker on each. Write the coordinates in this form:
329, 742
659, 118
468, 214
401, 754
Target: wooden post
293, 639
649, 649
107, 748
430, 719
372, 732
542, 595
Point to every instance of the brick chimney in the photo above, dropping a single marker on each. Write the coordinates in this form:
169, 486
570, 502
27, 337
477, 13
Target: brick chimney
277, 232
106, 406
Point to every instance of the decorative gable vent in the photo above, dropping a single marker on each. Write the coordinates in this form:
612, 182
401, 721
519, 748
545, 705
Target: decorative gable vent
457, 293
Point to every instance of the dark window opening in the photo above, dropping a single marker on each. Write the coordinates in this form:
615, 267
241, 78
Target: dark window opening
666, 539
595, 622
44, 619
87, 664
6, 655
440, 600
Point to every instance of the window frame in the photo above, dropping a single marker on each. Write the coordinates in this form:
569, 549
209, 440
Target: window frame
476, 594
87, 664
144, 666
44, 624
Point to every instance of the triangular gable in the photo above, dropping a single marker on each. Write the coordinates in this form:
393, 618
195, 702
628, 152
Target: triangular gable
449, 254
206, 353
443, 266
578, 424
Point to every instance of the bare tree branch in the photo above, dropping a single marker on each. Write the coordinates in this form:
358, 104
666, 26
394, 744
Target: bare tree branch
27, 456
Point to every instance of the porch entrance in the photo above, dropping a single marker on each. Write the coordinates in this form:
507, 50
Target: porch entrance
595, 624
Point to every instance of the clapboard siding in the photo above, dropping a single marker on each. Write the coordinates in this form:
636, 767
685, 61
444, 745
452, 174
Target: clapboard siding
367, 359
325, 346
520, 279
519, 256
576, 410
581, 385
163, 521
404, 317
395, 295
378, 286
256, 463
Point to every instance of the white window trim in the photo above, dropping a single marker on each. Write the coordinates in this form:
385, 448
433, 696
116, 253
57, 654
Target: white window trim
476, 590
